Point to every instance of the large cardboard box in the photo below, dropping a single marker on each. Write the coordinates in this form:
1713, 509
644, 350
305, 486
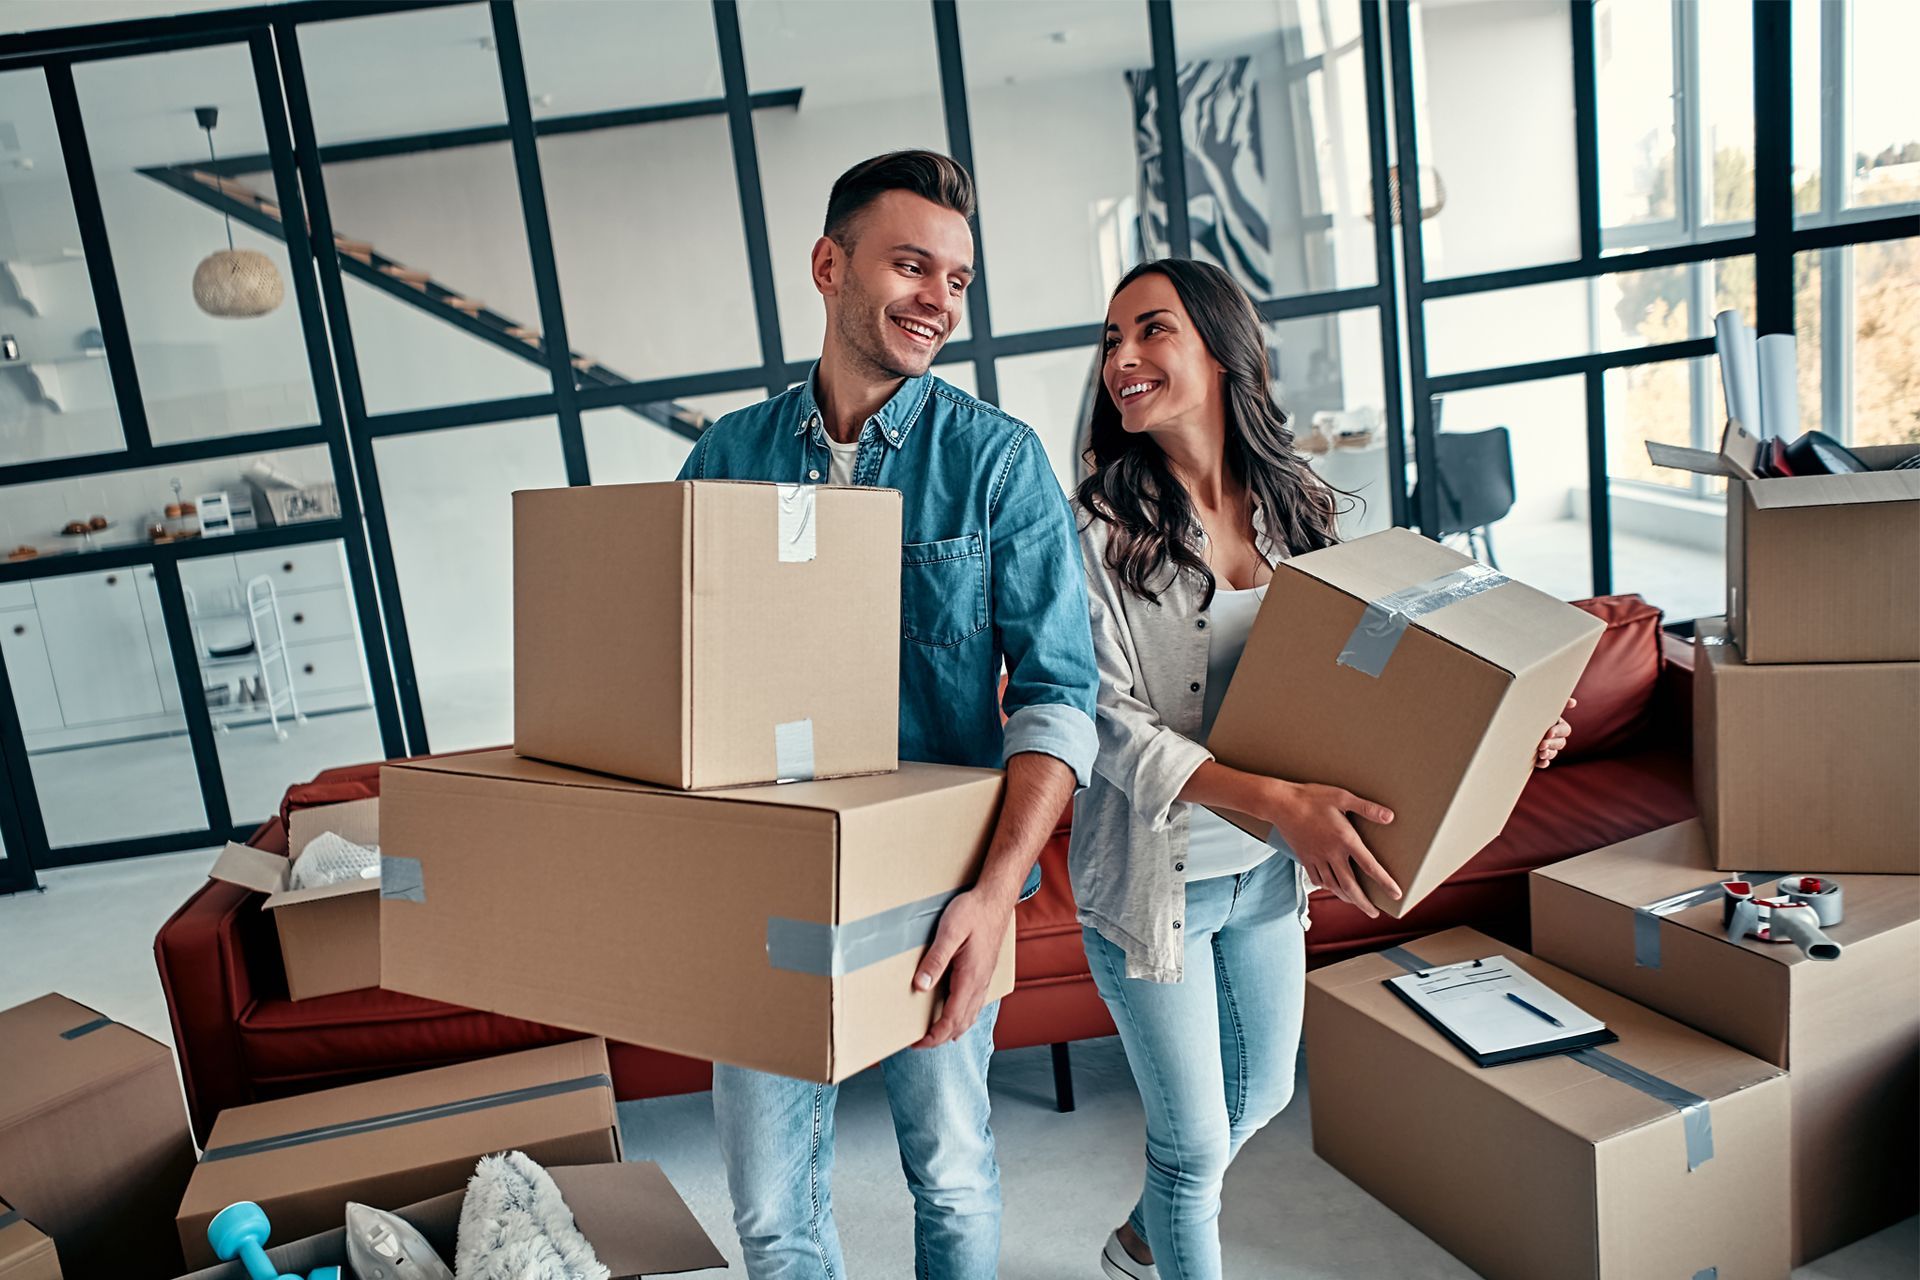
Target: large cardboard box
770, 927
1806, 768
26, 1253
392, 1142
1551, 1167
94, 1147
1847, 1031
708, 634
630, 1214
1819, 568
1443, 734
329, 935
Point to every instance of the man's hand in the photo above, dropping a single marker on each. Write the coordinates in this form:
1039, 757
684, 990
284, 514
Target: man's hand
967, 945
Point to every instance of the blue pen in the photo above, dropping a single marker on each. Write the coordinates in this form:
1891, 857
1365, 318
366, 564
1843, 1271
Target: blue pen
1535, 1010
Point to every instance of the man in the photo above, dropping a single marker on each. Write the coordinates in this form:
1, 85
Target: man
990, 570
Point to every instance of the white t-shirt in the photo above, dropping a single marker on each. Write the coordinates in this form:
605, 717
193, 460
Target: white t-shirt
1215, 847
841, 471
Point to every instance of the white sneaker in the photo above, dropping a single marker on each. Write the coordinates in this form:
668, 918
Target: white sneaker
1117, 1264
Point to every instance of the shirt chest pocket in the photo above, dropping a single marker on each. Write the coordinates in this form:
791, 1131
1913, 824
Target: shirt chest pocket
943, 590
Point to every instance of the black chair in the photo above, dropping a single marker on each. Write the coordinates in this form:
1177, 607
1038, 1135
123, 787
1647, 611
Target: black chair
1475, 471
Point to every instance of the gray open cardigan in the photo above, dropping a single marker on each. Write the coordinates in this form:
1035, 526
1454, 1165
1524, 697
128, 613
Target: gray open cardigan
1129, 846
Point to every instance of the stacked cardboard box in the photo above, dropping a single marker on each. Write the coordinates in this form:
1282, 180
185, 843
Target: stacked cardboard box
26, 1253
672, 639
1848, 1031
94, 1149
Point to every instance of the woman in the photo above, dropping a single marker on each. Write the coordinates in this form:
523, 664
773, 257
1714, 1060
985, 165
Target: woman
1194, 931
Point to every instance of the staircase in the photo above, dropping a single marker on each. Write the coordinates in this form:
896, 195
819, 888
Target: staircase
417, 288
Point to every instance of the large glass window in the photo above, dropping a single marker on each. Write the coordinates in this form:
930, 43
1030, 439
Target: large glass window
217, 338
426, 207
1856, 317
56, 398
641, 196
449, 501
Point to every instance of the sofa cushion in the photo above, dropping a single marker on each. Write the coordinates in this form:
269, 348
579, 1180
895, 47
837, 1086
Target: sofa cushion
1615, 693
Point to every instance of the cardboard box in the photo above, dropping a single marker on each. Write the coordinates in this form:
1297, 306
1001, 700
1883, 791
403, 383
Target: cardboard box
1806, 768
630, 1214
395, 1141
94, 1147
277, 501
1848, 1031
708, 634
1550, 1167
26, 1253
1819, 568
330, 935
1444, 735
771, 927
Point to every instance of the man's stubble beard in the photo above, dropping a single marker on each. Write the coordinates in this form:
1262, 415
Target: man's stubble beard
857, 324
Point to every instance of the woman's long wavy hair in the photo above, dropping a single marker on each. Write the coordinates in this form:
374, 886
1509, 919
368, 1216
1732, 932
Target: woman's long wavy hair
1131, 486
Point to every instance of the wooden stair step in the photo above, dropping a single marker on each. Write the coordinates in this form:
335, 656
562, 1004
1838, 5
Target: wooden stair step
584, 363
406, 275
523, 333
472, 306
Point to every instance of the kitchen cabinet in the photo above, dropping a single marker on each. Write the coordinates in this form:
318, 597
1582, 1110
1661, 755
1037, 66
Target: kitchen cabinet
28, 671
98, 646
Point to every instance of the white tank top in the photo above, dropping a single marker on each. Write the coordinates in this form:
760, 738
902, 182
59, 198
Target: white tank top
1215, 847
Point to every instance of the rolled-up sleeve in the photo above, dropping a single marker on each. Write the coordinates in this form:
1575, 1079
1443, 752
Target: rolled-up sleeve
1149, 762
1040, 614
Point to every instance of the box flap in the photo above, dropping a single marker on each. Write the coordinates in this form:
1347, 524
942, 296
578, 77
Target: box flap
1704, 462
833, 795
53, 1047
354, 820
1512, 625
25, 1250
1578, 1099
636, 1221
294, 897
251, 868
1829, 491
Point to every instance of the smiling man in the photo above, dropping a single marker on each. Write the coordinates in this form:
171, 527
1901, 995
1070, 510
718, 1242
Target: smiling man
989, 576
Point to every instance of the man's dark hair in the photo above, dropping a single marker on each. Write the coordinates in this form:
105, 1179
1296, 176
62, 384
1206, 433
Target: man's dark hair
926, 174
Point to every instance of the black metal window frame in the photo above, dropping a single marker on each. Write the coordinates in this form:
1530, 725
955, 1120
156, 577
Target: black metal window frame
349, 431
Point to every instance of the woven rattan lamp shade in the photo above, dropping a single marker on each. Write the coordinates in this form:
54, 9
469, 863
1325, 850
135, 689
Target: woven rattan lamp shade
237, 282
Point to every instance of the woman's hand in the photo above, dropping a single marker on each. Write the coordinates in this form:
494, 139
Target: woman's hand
1313, 820
1556, 739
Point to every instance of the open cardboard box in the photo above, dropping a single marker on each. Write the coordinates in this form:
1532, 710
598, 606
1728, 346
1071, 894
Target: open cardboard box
631, 1215
1848, 1031
1819, 568
26, 1253
400, 1139
1443, 734
330, 935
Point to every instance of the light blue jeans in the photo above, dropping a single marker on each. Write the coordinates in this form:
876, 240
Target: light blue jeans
1212, 1055
776, 1137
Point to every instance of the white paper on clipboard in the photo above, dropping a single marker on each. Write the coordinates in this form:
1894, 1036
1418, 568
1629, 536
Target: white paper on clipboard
1472, 1001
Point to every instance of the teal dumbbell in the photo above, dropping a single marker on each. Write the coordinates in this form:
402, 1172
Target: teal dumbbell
240, 1231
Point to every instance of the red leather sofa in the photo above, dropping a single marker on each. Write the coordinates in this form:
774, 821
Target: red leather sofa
240, 1039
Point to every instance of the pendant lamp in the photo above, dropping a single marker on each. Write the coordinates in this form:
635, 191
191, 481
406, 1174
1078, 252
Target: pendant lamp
233, 282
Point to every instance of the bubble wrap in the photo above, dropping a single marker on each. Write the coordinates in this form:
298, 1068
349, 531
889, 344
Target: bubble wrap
331, 859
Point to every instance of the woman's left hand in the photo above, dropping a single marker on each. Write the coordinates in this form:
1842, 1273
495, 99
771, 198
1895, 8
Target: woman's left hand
1556, 740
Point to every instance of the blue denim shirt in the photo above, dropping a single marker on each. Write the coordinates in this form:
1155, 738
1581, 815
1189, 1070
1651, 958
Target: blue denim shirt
989, 570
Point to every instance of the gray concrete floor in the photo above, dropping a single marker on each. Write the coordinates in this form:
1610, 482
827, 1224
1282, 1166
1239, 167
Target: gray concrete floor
1067, 1178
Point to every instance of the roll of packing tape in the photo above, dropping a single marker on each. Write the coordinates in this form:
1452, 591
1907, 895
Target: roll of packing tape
1818, 892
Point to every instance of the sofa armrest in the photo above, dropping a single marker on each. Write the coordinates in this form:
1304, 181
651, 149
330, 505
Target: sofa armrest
213, 954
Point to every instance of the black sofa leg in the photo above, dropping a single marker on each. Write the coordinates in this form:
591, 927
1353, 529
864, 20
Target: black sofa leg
1062, 1077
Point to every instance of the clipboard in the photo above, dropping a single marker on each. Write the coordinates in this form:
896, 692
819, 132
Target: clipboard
1496, 1012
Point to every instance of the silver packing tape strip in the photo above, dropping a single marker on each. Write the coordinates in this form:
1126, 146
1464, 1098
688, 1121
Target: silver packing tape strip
1646, 921
1385, 620
1707, 1273
793, 751
1829, 908
414, 1115
402, 879
1696, 1117
796, 504
86, 1028
8, 1217
832, 950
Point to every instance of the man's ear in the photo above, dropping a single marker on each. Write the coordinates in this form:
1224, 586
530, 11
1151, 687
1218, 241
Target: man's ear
829, 265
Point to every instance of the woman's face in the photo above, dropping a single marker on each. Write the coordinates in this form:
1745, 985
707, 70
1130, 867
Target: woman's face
1157, 369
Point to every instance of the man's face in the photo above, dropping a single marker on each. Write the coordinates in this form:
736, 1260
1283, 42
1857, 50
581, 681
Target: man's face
894, 298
